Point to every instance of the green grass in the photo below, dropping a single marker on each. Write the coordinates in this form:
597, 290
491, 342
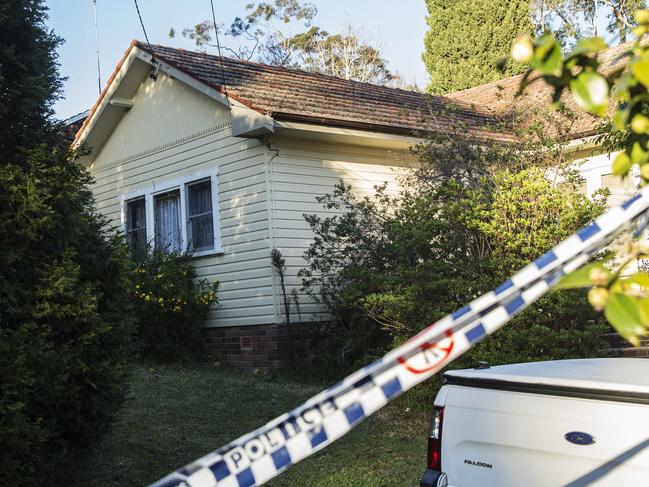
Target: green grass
175, 414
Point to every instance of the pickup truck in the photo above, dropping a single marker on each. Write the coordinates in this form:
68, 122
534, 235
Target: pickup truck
558, 423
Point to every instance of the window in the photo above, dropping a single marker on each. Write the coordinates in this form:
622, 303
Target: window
168, 236
136, 225
179, 215
200, 224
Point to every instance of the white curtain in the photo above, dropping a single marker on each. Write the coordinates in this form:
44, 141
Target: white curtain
167, 222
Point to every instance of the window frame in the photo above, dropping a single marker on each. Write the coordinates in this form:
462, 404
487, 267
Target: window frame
188, 216
181, 183
128, 231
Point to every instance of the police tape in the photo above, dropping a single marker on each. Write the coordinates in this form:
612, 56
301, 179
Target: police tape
261, 455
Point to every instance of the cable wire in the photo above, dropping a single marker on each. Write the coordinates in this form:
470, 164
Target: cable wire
146, 37
218, 46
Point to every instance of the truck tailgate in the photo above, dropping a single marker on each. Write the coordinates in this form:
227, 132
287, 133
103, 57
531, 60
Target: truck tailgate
510, 438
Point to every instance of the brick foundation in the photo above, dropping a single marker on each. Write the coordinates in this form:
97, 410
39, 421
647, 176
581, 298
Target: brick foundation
261, 346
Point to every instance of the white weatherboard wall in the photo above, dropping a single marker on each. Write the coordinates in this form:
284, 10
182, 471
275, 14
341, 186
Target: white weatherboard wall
597, 173
174, 131
302, 169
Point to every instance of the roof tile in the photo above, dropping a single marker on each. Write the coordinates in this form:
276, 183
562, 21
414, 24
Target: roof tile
291, 94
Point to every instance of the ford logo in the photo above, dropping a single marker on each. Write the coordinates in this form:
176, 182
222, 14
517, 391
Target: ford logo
579, 438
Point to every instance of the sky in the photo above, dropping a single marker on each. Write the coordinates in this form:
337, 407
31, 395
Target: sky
399, 30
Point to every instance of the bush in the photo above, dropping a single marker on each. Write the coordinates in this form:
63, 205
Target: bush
65, 317
469, 217
65, 303
171, 306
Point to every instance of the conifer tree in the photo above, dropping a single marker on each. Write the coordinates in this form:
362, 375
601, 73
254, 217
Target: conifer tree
65, 306
466, 39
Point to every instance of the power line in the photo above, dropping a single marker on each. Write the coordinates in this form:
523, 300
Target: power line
218, 46
146, 37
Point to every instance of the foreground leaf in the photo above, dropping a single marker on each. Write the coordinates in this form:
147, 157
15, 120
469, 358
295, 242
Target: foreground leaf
591, 92
547, 56
628, 316
580, 277
589, 46
640, 70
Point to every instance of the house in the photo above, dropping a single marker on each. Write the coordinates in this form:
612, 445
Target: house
594, 164
223, 157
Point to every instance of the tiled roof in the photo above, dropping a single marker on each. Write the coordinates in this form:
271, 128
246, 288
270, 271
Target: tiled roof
295, 95
71, 126
499, 97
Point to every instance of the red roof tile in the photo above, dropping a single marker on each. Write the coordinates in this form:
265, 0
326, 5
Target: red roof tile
499, 97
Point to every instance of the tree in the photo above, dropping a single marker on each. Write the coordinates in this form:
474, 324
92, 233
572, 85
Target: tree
470, 215
571, 20
28, 73
259, 36
65, 309
467, 39
623, 295
349, 55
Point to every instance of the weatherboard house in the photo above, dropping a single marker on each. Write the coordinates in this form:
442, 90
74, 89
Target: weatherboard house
224, 159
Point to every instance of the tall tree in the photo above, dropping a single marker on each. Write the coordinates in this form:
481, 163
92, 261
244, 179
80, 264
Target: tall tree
570, 20
29, 79
64, 291
467, 39
260, 35
349, 55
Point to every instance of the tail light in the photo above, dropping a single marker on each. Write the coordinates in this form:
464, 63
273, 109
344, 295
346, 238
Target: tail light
435, 440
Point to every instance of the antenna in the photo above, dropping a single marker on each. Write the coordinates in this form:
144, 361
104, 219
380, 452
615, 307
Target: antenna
94, 15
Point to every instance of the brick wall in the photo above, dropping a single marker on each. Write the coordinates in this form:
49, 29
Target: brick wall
262, 346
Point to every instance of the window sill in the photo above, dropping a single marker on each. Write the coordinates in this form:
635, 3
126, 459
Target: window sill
207, 253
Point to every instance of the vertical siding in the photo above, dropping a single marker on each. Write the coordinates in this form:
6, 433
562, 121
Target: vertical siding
302, 170
174, 131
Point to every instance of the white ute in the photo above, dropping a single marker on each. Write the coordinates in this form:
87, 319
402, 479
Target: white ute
542, 424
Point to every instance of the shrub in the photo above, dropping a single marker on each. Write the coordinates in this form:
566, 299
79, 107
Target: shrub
471, 215
65, 318
65, 302
172, 305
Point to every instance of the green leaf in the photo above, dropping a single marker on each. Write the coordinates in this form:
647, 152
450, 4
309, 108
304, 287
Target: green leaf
638, 155
590, 91
589, 46
640, 70
622, 164
547, 56
621, 118
639, 278
627, 315
579, 278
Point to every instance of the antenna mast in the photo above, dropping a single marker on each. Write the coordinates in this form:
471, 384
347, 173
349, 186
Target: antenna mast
94, 14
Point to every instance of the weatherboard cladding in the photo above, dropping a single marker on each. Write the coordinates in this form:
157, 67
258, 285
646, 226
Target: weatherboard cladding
138, 157
303, 170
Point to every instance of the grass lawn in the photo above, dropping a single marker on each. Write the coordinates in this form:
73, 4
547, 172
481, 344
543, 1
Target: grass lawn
175, 414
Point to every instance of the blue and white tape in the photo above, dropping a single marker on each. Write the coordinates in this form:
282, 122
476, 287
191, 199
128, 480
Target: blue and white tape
263, 454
